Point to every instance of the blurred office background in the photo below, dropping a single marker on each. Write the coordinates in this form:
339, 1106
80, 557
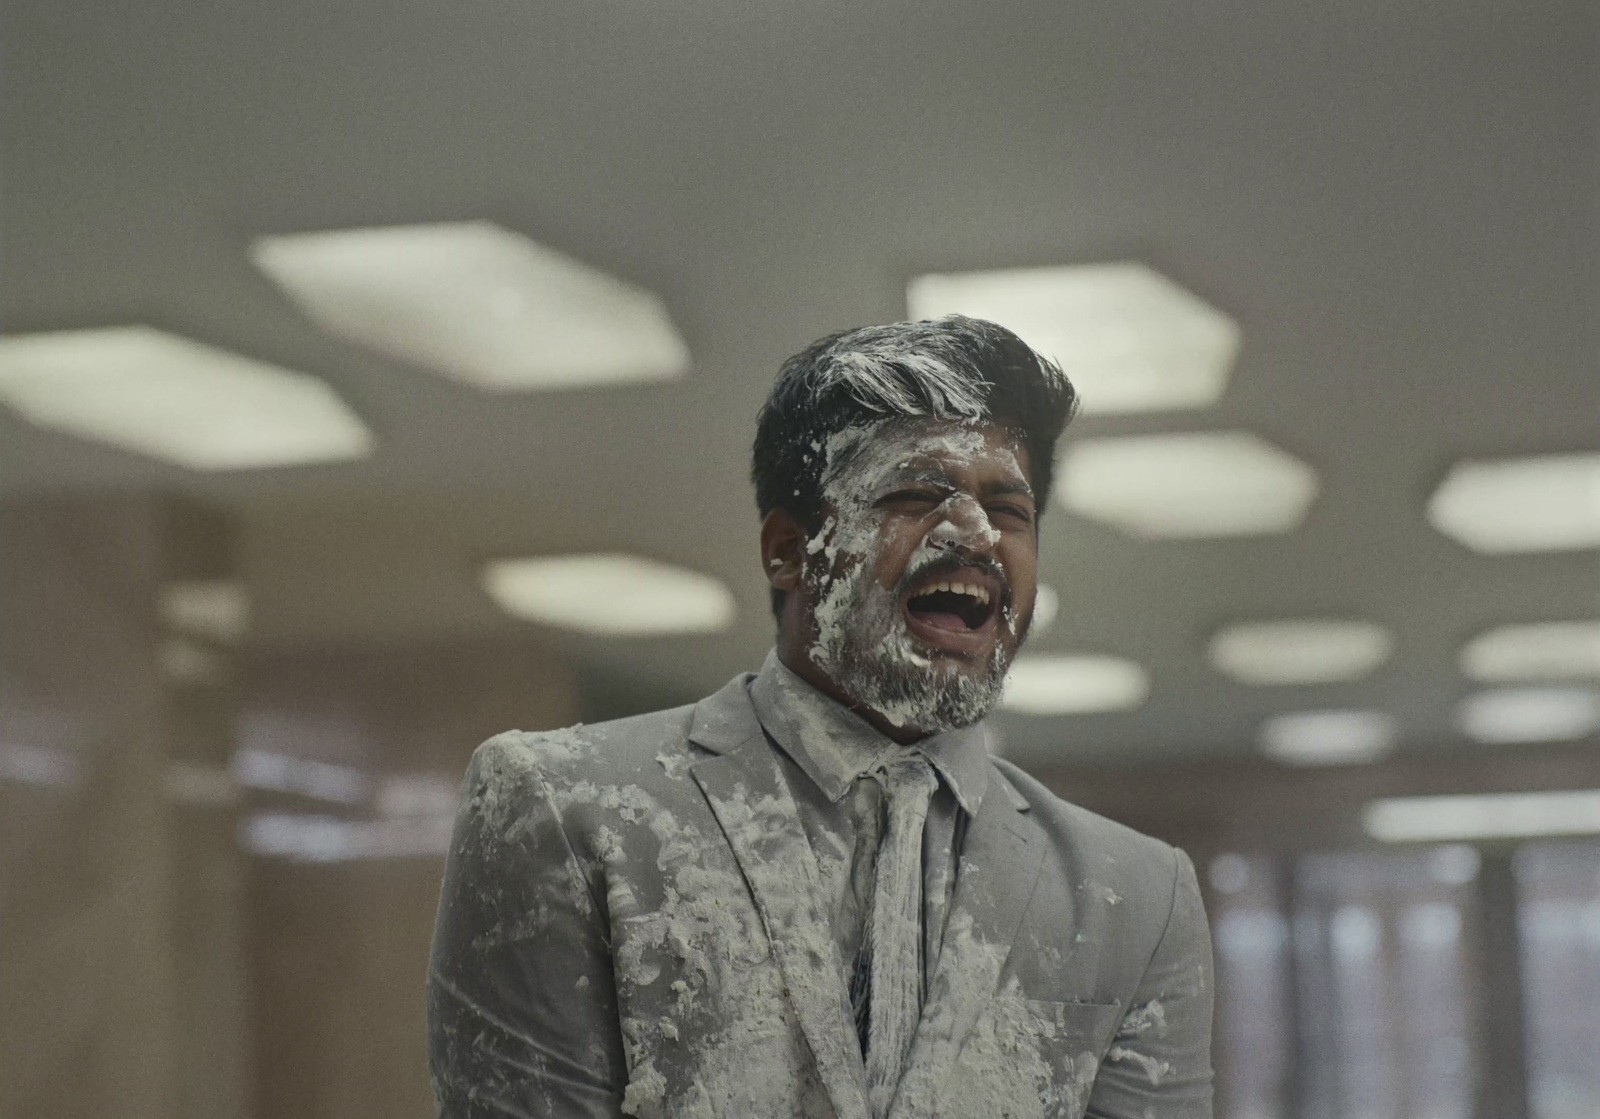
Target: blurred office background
375, 377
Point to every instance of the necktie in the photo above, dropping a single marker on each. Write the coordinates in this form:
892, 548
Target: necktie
895, 931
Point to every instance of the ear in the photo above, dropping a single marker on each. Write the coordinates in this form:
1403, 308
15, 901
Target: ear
783, 549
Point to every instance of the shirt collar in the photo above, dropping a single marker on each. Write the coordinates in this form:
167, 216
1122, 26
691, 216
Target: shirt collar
833, 745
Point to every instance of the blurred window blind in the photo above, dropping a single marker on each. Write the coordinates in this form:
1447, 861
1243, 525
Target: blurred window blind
1364, 1005
1558, 887
1255, 1041
1387, 960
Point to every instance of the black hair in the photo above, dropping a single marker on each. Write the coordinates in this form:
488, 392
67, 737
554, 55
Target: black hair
952, 368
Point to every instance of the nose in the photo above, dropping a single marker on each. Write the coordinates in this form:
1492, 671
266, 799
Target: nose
965, 524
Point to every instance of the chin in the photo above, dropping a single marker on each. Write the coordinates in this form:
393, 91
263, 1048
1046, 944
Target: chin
923, 666
926, 689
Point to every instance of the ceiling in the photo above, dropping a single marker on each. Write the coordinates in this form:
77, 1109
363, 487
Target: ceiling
1397, 202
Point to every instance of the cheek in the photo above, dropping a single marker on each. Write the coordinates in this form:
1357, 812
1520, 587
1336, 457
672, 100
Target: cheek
846, 541
896, 544
1022, 568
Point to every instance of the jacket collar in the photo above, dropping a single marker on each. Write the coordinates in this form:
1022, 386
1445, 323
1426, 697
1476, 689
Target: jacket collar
725, 719
833, 745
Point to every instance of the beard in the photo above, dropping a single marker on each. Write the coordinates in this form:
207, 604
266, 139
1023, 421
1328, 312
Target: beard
865, 648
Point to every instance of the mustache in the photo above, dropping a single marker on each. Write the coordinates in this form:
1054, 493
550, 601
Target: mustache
951, 562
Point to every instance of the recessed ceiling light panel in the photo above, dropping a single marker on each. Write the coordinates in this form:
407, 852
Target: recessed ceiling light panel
1328, 737
1074, 685
171, 398
285, 773
1226, 483
330, 839
1130, 339
1543, 651
1507, 715
1485, 816
1046, 604
1550, 503
613, 595
408, 795
477, 303
1299, 652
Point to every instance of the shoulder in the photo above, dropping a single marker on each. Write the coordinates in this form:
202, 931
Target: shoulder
1130, 863
595, 795
592, 751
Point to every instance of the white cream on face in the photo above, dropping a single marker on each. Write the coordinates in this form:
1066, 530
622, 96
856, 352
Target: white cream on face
862, 642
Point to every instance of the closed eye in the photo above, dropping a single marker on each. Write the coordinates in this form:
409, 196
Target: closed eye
913, 497
1019, 512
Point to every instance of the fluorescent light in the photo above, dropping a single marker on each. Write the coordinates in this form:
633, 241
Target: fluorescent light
1227, 483
1546, 504
1074, 685
328, 839
1506, 715
283, 773
1130, 339
477, 303
1299, 652
1542, 651
177, 400
1487, 816
1046, 603
612, 594
417, 794
218, 609
1328, 737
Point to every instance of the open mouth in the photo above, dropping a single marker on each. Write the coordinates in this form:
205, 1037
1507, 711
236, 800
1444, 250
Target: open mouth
954, 610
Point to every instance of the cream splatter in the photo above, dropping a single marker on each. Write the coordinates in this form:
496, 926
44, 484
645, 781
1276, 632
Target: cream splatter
1141, 1019
862, 642
1155, 1070
676, 765
1104, 893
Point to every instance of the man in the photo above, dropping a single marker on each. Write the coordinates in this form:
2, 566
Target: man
814, 893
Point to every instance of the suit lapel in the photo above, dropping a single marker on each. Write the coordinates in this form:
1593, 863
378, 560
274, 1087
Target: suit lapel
1000, 864
751, 800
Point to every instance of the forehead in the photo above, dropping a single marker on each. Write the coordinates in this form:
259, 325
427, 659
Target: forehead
896, 448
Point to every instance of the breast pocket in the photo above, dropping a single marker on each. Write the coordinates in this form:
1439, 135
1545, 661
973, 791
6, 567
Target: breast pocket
1072, 1039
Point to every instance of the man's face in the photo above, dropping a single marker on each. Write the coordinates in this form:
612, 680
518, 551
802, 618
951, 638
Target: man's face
921, 579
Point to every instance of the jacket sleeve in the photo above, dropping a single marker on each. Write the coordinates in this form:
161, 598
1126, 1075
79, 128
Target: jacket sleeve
522, 1016
1159, 1065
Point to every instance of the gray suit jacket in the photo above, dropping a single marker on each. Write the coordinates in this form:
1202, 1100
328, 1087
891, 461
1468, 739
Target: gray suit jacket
631, 924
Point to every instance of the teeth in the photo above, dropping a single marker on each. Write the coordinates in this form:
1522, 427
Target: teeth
972, 590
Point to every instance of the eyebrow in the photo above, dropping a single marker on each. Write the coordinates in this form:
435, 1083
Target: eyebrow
1022, 489
933, 475
929, 474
